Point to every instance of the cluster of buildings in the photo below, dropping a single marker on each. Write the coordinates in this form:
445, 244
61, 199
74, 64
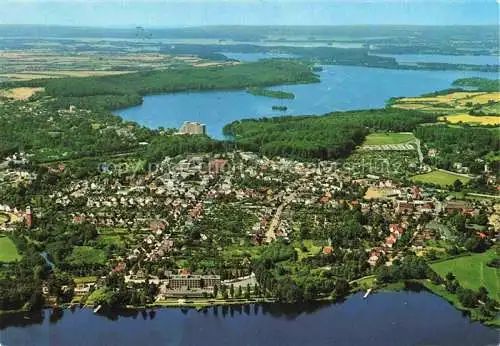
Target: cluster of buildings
159, 207
13, 216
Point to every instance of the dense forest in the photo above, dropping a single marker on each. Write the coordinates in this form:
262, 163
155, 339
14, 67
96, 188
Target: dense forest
111, 92
330, 136
479, 84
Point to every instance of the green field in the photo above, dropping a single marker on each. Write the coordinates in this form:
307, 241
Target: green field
380, 138
312, 249
8, 251
114, 236
87, 255
472, 272
85, 279
439, 178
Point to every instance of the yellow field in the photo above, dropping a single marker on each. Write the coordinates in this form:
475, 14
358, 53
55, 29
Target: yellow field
455, 99
444, 98
58, 74
455, 107
483, 98
408, 105
466, 118
427, 107
86, 73
19, 93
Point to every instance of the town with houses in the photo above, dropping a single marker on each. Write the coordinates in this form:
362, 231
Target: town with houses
159, 226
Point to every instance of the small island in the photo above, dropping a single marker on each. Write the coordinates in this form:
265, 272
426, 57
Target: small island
257, 91
280, 108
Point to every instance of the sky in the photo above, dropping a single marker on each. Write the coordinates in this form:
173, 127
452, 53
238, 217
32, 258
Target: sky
180, 13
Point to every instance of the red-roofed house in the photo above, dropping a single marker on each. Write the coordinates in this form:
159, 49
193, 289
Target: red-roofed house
481, 235
396, 230
78, 219
119, 267
327, 250
390, 241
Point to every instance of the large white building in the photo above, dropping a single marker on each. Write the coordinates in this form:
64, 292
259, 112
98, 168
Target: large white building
193, 128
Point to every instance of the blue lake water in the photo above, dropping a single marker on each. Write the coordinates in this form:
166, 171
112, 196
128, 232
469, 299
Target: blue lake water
341, 88
448, 59
384, 319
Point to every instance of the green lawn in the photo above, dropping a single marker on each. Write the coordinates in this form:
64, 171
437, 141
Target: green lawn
85, 279
312, 249
472, 272
379, 138
116, 236
87, 255
439, 178
8, 251
100, 295
111, 239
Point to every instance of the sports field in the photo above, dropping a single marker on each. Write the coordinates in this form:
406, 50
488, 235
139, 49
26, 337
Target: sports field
472, 271
439, 178
380, 138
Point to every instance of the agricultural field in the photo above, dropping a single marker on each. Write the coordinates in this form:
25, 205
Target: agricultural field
28, 65
8, 251
26, 76
480, 98
19, 93
457, 107
472, 271
472, 119
452, 99
380, 138
439, 178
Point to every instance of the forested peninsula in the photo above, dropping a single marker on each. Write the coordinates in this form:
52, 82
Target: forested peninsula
120, 91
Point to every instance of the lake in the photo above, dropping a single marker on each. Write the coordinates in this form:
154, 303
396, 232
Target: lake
252, 57
341, 88
384, 319
447, 59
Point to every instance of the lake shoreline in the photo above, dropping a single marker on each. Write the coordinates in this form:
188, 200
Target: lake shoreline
415, 286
